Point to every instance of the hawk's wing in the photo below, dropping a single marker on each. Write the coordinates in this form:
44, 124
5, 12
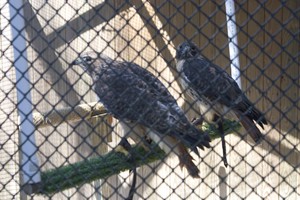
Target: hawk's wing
210, 82
214, 85
129, 97
155, 85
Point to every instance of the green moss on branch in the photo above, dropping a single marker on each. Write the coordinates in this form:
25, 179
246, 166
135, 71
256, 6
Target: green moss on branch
101, 167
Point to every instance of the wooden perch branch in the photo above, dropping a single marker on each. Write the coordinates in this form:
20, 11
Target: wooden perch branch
99, 167
83, 111
94, 168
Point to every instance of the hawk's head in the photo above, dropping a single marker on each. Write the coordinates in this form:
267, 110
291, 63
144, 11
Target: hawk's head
187, 50
86, 61
86, 58
92, 62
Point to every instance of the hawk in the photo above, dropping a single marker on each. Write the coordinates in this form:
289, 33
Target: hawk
143, 106
215, 92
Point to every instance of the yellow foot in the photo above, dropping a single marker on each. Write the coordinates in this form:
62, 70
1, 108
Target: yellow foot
122, 150
124, 147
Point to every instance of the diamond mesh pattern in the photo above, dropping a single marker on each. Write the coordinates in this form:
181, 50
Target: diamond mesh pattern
147, 33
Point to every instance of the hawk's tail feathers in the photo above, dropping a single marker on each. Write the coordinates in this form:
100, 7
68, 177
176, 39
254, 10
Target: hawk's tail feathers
258, 117
186, 160
253, 113
250, 127
199, 139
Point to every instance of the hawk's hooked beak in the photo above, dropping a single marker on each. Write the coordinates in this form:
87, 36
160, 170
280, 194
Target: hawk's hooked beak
78, 61
186, 50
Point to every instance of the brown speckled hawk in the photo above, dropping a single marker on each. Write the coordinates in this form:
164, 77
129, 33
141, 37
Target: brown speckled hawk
143, 106
215, 92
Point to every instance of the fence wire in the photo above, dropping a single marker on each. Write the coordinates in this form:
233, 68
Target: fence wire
74, 152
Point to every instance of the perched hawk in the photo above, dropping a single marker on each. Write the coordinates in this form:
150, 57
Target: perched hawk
215, 92
143, 106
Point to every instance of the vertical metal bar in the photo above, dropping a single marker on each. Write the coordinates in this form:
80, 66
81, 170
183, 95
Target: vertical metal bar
29, 162
233, 42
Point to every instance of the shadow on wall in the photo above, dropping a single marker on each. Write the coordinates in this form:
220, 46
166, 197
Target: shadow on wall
40, 43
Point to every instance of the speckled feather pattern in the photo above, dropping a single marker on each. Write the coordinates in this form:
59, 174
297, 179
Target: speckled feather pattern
137, 98
214, 90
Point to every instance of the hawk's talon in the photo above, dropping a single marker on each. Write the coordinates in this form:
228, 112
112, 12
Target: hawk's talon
197, 121
125, 148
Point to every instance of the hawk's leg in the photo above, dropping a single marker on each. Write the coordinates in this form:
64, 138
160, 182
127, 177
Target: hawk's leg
125, 147
219, 122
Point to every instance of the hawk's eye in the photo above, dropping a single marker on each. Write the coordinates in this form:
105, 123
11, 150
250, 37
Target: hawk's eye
87, 59
193, 51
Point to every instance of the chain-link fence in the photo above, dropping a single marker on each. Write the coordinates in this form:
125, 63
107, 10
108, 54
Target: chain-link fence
58, 142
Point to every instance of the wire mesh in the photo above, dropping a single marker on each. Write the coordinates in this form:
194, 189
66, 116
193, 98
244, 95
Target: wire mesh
147, 33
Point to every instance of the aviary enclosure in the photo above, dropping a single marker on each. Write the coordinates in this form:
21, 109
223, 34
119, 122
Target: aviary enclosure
49, 118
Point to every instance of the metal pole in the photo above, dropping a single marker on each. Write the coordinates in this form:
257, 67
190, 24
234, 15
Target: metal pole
233, 42
29, 162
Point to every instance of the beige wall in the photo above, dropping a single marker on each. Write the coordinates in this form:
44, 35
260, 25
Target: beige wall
146, 32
